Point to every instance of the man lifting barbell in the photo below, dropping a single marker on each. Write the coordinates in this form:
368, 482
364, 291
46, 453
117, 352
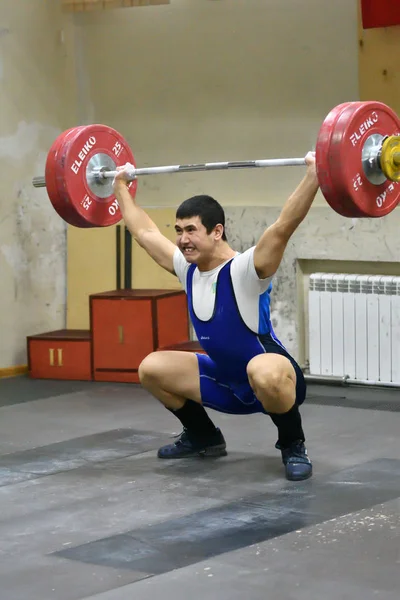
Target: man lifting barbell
246, 369
91, 179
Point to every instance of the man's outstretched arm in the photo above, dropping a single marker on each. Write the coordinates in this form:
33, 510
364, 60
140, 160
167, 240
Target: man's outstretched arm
141, 226
271, 246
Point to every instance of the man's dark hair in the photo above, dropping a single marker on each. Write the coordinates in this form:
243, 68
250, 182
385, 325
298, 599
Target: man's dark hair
207, 208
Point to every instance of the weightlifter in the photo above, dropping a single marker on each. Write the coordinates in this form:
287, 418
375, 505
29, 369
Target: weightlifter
246, 369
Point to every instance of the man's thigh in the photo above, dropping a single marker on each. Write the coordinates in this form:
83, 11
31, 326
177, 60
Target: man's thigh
220, 394
172, 371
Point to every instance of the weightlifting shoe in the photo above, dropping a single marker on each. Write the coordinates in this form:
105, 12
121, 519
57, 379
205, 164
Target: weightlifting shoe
187, 446
295, 458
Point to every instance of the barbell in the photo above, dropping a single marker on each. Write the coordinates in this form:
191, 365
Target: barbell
357, 162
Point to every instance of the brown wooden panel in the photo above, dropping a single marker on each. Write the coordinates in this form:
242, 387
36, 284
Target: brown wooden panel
378, 69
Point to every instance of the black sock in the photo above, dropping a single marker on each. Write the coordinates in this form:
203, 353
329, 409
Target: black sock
194, 418
289, 426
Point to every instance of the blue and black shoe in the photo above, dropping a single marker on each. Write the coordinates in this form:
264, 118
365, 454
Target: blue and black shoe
187, 446
295, 458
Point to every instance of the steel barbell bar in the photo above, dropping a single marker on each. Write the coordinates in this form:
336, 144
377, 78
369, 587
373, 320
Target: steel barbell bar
104, 173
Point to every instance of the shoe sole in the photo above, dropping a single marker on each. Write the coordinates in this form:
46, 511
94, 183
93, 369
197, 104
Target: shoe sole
299, 478
210, 452
213, 451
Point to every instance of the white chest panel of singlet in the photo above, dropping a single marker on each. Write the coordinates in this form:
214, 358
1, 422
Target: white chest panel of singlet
246, 285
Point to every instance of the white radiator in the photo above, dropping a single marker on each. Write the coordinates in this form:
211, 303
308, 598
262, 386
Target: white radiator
354, 326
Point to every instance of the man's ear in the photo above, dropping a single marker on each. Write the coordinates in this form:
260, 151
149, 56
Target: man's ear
218, 231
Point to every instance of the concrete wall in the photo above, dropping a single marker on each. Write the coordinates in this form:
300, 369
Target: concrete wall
233, 79
36, 105
201, 81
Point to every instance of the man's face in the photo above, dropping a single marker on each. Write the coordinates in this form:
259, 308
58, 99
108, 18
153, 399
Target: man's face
193, 240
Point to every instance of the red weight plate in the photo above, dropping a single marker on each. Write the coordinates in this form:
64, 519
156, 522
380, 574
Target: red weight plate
65, 211
51, 184
342, 192
353, 128
72, 216
97, 145
322, 158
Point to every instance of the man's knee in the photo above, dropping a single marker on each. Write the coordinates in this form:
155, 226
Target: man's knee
270, 380
150, 368
273, 382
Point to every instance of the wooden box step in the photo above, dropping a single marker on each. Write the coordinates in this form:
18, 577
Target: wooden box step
191, 346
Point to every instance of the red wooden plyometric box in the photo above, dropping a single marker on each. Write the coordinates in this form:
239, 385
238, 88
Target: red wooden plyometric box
62, 354
127, 325
191, 346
